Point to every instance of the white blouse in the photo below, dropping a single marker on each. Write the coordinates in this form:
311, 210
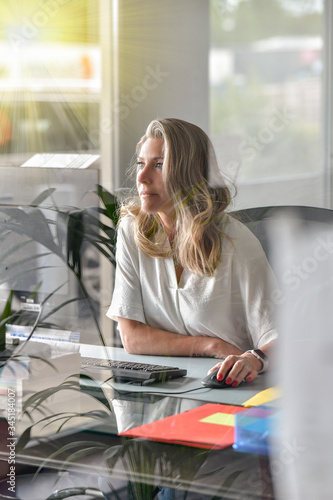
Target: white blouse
235, 304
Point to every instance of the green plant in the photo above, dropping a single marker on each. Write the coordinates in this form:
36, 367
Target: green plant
64, 235
3, 320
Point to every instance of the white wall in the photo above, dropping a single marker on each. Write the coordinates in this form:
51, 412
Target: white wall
162, 69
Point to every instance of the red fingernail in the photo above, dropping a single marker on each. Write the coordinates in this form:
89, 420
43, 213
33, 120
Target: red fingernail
228, 381
234, 384
248, 379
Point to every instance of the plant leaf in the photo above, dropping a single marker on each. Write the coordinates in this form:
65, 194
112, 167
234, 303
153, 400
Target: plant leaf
31, 222
100, 395
75, 236
110, 202
7, 312
24, 439
42, 197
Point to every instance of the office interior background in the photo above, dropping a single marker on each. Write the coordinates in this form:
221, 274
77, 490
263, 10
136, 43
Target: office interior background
87, 76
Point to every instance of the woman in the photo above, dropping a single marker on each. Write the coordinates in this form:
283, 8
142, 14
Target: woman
190, 279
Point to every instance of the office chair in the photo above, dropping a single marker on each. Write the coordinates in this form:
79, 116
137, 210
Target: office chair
50, 486
259, 221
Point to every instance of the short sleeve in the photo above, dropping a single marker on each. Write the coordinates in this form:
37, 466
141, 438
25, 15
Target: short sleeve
257, 284
127, 297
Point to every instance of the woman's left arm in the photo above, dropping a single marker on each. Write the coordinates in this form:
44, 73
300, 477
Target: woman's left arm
257, 285
244, 366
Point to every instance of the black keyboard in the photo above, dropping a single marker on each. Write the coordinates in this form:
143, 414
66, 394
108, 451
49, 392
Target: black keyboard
130, 371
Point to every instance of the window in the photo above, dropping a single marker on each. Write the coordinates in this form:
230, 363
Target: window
266, 94
50, 78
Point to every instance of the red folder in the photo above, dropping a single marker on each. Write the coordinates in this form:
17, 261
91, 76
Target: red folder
208, 426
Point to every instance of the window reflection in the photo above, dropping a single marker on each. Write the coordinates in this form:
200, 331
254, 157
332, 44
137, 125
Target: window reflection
266, 87
50, 78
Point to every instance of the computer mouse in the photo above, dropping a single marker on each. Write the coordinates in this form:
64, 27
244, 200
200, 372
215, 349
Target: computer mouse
211, 381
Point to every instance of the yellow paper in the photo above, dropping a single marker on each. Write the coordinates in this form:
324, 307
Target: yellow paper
264, 397
220, 419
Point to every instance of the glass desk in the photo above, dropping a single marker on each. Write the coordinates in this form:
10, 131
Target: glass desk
95, 455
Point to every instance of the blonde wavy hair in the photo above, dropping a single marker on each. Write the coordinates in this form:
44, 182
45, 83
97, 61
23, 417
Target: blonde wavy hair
199, 193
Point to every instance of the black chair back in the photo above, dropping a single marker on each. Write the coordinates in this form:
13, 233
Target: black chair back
259, 220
